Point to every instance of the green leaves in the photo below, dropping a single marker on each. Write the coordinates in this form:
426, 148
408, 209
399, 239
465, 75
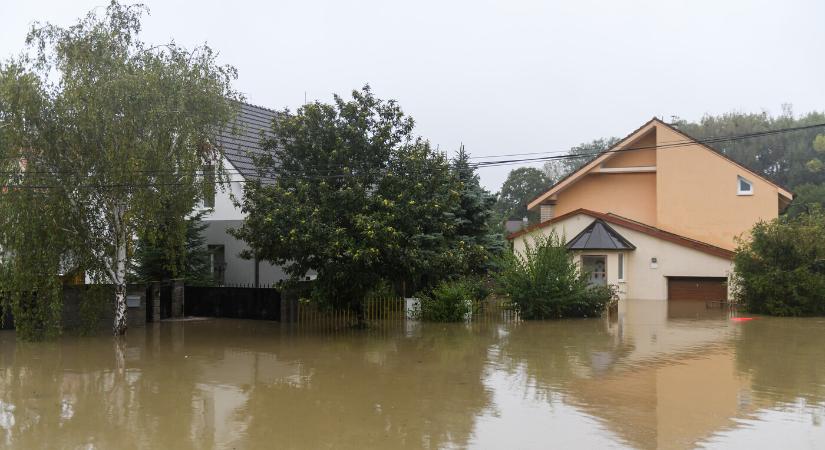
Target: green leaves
544, 282
781, 269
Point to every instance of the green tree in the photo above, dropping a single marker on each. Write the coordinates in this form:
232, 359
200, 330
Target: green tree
349, 192
160, 255
780, 270
807, 197
480, 241
544, 282
109, 133
522, 185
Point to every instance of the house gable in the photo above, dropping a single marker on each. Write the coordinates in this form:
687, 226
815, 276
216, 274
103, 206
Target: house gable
662, 177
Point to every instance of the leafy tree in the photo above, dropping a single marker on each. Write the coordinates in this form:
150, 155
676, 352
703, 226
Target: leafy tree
806, 198
160, 255
522, 185
349, 192
780, 270
108, 133
544, 282
480, 240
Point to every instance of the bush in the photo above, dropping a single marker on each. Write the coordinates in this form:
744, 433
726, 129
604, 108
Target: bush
451, 301
780, 270
545, 283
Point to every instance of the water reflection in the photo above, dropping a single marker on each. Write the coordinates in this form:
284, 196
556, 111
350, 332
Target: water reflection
652, 375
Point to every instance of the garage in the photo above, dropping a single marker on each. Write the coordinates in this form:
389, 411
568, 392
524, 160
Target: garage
697, 288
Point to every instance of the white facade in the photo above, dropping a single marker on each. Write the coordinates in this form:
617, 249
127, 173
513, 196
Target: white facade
228, 267
643, 279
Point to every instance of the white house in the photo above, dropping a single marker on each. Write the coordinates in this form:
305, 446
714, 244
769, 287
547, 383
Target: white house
253, 123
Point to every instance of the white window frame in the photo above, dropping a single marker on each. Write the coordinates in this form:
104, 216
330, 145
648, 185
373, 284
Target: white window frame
621, 263
739, 180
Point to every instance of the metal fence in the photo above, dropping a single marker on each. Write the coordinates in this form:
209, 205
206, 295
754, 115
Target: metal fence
236, 302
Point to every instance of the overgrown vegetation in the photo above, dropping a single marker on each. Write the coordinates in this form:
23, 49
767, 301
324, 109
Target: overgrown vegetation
451, 300
102, 134
161, 253
544, 282
359, 199
780, 270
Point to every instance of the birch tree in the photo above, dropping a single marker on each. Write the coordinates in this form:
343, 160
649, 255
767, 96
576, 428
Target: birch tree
124, 130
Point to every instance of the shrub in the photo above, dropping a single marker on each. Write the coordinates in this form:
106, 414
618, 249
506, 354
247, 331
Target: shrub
780, 270
544, 282
451, 301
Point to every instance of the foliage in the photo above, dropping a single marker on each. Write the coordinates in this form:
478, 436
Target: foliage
780, 270
807, 197
109, 133
161, 255
451, 300
94, 299
522, 185
480, 241
544, 282
349, 192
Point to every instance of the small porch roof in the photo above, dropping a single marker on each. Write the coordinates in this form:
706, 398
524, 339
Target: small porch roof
599, 236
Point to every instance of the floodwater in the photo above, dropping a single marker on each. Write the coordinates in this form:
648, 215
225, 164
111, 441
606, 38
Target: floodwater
652, 375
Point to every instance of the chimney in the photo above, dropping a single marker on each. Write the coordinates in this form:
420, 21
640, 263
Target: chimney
514, 224
546, 212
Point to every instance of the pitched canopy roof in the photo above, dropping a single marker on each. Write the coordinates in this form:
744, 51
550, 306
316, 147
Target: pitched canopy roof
599, 236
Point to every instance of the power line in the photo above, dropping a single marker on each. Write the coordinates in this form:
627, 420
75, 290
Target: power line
316, 177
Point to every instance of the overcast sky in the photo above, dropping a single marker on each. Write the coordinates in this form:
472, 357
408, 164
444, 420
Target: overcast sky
500, 76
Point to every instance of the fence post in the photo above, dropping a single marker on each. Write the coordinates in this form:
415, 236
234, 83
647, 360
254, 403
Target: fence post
177, 298
154, 300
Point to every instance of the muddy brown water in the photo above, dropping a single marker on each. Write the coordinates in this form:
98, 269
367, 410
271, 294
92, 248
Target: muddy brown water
652, 375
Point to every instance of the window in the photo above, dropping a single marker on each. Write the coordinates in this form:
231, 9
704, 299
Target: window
621, 266
744, 187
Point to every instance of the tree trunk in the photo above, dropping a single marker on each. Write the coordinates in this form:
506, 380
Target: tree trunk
119, 275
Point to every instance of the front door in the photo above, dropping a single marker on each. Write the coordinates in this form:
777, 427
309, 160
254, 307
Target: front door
596, 268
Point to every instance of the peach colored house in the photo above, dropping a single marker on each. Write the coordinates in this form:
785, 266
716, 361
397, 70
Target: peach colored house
657, 214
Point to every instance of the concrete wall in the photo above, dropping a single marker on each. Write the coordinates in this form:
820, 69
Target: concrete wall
643, 282
73, 296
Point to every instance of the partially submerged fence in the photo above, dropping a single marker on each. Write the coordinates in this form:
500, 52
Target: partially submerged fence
393, 310
237, 302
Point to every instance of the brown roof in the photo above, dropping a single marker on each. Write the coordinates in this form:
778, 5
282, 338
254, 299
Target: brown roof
635, 226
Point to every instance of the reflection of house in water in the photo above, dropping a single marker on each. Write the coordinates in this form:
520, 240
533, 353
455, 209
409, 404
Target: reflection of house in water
675, 382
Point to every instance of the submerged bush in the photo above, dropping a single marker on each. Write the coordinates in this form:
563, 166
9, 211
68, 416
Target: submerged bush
780, 270
544, 282
451, 301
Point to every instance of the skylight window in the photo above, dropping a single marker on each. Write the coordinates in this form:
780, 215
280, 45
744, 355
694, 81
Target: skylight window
744, 187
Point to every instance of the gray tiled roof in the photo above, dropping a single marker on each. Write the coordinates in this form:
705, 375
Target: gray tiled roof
599, 236
252, 124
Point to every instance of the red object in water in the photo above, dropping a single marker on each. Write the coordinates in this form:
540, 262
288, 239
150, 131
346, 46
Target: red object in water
741, 319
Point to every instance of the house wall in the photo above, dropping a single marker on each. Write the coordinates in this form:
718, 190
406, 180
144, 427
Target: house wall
697, 194
630, 195
239, 270
636, 158
644, 282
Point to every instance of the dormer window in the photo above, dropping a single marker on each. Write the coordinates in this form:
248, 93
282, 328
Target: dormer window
744, 187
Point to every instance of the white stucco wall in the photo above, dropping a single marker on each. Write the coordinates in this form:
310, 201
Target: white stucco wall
643, 281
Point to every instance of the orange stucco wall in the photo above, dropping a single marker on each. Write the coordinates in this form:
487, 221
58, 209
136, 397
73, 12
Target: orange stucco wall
636, 158
631, 195
697, 194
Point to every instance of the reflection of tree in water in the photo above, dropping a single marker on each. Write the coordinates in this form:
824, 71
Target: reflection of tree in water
785, 358
404, 392
72, 392
554, 353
